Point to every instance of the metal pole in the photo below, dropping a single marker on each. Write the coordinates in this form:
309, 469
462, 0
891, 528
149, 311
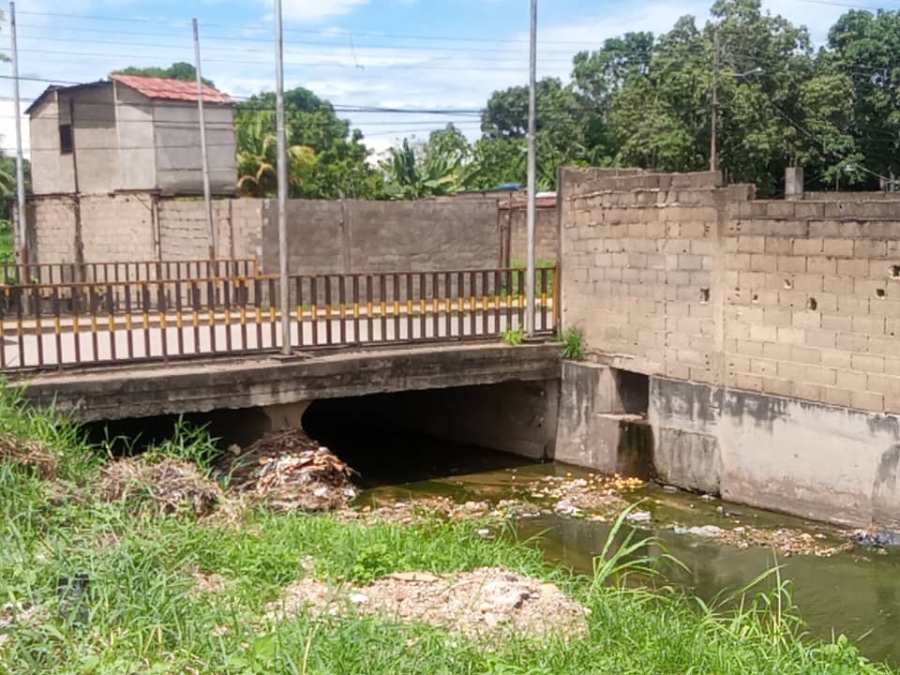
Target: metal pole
532, 170
714, 122
207, 192
20, 221
282, 184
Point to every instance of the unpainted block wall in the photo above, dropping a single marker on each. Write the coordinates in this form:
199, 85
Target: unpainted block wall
679, 276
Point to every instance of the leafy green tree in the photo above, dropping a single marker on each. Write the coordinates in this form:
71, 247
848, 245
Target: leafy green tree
864, 49
327, 160
177, 71
430, 169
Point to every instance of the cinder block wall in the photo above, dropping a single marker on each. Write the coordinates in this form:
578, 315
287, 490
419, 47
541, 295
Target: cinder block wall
679, 276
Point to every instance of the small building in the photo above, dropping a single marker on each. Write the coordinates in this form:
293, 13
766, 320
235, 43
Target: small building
130, 133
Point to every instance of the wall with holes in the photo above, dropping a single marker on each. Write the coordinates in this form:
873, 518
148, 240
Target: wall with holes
676, 275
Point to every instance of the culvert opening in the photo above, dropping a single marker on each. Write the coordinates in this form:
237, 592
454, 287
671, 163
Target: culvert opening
393, 439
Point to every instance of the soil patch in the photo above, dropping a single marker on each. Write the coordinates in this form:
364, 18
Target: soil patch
31, 454
482, 603
289, 471
166, 487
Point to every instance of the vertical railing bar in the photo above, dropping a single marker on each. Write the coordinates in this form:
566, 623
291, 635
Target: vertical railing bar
484, 303
329, 337
395, 288
370, 337
273, 315
435, 313
298, 299
460, 291
129, 338
226, 301
57, 327
111, 321
314, 308
242, 285
410, 333
382, 292
179, 315
343, 292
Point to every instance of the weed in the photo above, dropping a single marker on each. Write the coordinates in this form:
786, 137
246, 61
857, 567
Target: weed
573, 344
513, 336
188, 443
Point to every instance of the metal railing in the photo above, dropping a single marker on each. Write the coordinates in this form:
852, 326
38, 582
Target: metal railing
50, 326
116, 272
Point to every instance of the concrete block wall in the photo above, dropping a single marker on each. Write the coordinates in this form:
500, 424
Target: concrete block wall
54, 240
118, 227
679, 276
184, 231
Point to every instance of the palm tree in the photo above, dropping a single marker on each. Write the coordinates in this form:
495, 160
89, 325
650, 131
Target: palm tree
256, 156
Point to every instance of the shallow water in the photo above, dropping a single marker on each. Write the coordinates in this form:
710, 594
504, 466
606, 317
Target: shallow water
856, 593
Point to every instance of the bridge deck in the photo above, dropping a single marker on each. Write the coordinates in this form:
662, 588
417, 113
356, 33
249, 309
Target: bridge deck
201, 386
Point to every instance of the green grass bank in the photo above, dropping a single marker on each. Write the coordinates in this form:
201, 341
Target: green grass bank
140, 610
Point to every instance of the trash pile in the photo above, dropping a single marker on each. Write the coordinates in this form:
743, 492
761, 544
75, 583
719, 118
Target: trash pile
289, 471
480, 603
597, 496
786, 541
28, 453
165, 486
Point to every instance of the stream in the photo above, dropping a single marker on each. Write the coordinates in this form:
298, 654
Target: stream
855, 592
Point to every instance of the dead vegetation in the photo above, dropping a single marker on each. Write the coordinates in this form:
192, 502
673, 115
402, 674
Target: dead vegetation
289, 471
481, 603
165, 486
30, 454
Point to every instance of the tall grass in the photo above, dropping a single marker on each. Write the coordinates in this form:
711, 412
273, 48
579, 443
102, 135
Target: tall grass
144, 613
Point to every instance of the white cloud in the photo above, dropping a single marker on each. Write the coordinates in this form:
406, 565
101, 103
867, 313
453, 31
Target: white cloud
315, 10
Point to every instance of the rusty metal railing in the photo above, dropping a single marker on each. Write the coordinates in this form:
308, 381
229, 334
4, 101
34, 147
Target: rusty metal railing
125, 272
67, 325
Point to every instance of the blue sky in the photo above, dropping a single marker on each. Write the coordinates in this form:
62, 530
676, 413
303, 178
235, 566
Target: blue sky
393, 53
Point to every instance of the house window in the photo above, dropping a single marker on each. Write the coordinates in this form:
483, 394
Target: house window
65, 139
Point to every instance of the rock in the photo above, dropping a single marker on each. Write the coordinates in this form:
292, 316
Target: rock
566, 508
639, 517
359, 598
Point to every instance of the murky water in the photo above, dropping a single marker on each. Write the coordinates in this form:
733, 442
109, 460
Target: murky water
855, 593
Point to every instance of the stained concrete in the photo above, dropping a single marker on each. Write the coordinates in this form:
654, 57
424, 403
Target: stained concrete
601, 420
809, 459
119, 393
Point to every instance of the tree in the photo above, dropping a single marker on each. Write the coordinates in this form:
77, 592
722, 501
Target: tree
177, 71
327, 160
864, 49
434, 168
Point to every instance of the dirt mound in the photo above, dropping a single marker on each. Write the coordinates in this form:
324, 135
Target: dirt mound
481, 603
167, 486
28, 453
290, 471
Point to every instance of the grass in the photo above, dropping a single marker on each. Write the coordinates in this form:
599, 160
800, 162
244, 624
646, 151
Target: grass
573, 344
513, 336
140, 612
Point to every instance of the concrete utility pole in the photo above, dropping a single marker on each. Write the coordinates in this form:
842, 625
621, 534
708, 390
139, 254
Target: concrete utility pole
21, 242
714, 123
207, 192
532, 170
282, 184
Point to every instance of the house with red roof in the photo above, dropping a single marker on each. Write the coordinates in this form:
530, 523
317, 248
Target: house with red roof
130, 133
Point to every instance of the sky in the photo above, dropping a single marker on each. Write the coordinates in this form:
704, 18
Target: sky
409, 54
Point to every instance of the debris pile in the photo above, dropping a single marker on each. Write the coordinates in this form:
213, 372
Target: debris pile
597, 495
165, 486
786, 541
420, 510
880, 539
289, 471
28, 453
480, 603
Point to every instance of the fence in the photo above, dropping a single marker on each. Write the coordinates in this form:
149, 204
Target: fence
69, 324
115, 272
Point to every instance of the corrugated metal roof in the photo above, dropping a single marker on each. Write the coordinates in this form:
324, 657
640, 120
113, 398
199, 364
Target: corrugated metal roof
170, 90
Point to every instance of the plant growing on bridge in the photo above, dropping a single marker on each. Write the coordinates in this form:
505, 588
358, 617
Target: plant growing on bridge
573, 344
513, 336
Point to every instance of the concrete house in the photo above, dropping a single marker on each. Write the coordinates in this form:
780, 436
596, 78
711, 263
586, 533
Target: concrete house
130, 133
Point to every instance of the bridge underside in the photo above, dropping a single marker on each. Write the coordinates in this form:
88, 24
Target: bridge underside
203, 386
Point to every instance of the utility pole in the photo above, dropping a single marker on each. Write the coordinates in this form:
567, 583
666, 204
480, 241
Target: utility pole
207, 196
282, 185
714, 122
532, 170
21, 241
